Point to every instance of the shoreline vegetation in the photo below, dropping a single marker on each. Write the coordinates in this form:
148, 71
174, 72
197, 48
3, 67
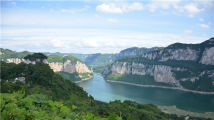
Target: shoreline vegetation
161, 87
180, 112
83, 79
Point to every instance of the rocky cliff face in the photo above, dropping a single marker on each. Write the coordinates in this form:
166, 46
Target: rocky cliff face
14, 60
18, 60
135, 51
56, 66
161, 73
208, 56
156, 64
70, 67
173, 54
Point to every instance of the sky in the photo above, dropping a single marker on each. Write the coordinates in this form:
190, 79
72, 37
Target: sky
103, 26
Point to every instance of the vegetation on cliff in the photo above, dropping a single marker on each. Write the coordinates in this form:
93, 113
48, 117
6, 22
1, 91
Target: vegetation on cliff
35, 56
99, 69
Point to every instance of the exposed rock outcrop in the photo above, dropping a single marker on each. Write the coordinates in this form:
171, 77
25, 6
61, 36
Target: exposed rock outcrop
56, 66
70, 67
160, 73
67, 66
14, 60
173, 54
208, 56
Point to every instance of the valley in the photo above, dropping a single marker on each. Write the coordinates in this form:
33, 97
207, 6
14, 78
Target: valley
144, 75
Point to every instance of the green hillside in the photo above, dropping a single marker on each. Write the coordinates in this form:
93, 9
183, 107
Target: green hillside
80, 56
10, 54
59, 89
53, 58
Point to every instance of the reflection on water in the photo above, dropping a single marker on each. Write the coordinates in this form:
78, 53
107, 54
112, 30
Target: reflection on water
106, 91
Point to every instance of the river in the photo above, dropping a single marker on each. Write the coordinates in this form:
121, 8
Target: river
105, 91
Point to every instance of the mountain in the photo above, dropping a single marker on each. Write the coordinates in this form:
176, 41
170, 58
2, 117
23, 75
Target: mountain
68, 66
185, 66
135, 51
99, 61
80, 56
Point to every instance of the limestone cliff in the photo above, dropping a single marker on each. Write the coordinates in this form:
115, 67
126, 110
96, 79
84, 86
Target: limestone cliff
187, 66
14, 60
70, 67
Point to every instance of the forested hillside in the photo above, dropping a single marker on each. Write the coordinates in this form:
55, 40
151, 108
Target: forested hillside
59, 89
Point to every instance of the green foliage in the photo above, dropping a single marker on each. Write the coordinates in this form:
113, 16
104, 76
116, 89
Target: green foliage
137, 79
10, 54
70, 76
99, 69
182, 74
20, 106
204, 83
52, 58
62, 59
85, 75
77, 55
35, 56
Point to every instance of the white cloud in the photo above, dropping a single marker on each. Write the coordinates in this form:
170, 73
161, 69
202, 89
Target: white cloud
112, 8
73, 10
113, 20
109, 8
134, 6
162, 4
91, 43
57, 43
97, 16
187, 32
89, 39
192, 10
69, 11
110, 44
210, 23
43, 7
204, 35
179, 8
116, 45
201, 19
204, 26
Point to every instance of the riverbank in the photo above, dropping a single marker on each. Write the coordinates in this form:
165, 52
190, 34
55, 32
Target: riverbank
180, 112
84, 79
161, 87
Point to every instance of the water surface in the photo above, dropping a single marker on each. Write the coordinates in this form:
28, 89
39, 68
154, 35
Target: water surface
105, 91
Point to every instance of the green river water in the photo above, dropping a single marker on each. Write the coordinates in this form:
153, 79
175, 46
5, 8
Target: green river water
105, 91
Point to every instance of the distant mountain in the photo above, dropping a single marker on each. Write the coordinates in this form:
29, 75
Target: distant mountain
80, 56
135, 51
187, 66
98, 60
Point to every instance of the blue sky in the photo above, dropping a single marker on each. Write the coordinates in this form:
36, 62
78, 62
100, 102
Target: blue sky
103, 26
